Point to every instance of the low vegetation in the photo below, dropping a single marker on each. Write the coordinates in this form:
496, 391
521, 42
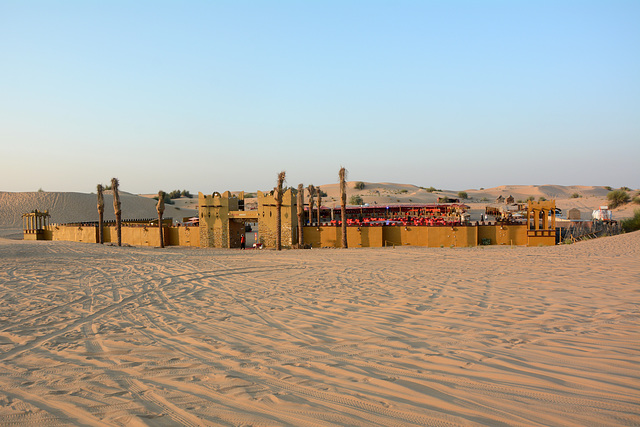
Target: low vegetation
359, 185
430, 189
463, 194
617, 198
356, 200
166, 198
631, 224
575, 196
176, 194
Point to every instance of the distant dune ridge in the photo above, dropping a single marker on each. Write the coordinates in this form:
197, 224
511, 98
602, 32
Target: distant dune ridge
70, 207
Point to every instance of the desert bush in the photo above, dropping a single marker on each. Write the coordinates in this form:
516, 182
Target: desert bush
575, 196
608, 187
484, 199
404, 190
356, 200
636, 200
530, 198
430, 189
186, 194
167, 199
633, 223
625, 188
463, 194
542, 199
617, 198
359, 185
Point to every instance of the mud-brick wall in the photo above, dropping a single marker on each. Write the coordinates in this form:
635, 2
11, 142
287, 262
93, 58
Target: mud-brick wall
75, 233
183, 236
267, 220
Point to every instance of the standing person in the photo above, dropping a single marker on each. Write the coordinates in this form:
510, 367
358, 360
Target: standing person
242, 242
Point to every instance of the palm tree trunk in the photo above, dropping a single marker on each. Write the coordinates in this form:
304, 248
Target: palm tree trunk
100, 214
160, 209
278, 194
117, 210
343, 198
300, 203
311, 190
318, 192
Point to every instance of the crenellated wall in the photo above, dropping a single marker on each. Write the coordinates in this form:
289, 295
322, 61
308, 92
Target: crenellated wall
214, 218
267, 219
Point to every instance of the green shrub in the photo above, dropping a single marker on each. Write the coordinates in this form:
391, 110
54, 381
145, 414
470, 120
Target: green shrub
463, 194
484, 199
617, 198
607, 187
542, 198
575, 196
356, 200
530, 198
625, 188
633, 223
636, 200
359, 185
167, 199
431, 189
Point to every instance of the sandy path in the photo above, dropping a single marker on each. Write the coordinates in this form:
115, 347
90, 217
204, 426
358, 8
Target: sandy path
101, 335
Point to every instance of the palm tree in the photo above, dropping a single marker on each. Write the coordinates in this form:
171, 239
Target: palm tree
319, 194
278, 197
100, 214
116, 209
343, 198
311, 189
300, 214
160, 209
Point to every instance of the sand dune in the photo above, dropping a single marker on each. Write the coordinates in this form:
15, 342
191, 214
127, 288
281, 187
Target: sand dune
103, 335
69, 207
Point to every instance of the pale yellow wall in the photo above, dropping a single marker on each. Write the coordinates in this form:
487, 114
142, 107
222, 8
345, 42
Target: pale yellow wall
542, 241
182, 236
214, 218
87, 234
267, 219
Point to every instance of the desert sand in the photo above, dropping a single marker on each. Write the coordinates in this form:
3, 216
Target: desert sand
106, 335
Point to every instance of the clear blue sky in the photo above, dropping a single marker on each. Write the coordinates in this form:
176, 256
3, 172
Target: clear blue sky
216, 95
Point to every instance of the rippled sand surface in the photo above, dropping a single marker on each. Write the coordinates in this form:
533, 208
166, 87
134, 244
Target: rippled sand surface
102, 335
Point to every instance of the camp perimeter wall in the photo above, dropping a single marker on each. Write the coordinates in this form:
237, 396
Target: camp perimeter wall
134, 236
321, 237
429, 236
